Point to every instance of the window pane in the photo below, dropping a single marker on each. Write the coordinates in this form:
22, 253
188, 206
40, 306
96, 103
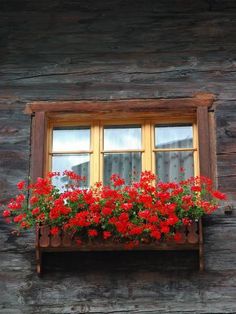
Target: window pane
169, 164
70, 139
174, 136
127, 165
77, 163
122, 137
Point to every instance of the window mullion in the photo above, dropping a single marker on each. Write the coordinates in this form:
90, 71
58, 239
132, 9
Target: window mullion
147, 144
95, 156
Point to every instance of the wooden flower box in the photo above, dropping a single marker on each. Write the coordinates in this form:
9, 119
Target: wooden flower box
45, 242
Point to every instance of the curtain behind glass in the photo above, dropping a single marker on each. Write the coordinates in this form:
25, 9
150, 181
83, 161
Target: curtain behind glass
127, 165
117, 160
174, 166
169, 164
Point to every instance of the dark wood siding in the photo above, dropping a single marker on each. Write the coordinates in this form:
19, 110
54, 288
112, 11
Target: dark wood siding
117, 49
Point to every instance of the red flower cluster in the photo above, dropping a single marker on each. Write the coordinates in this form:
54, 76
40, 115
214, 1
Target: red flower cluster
146, 211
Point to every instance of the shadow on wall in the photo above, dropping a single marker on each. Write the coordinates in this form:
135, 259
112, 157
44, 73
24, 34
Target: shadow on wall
122, 261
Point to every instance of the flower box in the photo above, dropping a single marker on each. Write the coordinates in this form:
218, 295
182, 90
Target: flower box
191, 239
147, 215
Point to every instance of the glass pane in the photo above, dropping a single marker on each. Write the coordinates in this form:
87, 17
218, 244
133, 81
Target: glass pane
76, 163
122, 137
70, 139
170, 136
127, 165
169, 165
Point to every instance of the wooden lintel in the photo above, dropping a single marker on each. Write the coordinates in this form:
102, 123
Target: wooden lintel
89, 106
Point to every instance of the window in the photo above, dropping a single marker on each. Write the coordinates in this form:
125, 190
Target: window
122, 149
176, 151
96, 149
69, 149
98, 138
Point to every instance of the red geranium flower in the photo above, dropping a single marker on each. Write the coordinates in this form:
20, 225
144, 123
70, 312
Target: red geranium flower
92, 232
33, 200
106, 211
36, 211
126, 206
6, 213
165, 229
219, 195
178, 237
21, 185
156, 234
106, 234
54, 230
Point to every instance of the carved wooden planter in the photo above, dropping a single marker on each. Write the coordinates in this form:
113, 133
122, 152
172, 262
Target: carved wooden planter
45, 242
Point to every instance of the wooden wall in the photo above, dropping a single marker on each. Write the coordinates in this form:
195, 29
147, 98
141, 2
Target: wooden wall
114, 49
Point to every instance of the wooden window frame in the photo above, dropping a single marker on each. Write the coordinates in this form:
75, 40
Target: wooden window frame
170, 109
97, 151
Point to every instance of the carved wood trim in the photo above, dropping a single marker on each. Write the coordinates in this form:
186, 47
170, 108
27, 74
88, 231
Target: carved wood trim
64, 242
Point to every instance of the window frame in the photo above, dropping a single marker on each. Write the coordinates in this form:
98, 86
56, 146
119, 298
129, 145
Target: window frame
97, 150
168, 110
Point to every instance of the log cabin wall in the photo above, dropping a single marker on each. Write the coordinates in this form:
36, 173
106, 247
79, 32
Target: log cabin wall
117, 49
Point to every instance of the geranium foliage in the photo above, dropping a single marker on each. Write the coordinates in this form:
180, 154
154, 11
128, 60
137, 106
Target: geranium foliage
146, 211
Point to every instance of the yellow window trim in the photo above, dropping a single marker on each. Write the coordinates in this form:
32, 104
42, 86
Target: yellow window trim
147, 121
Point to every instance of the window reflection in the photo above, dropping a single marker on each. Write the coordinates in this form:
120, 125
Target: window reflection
77, 163
169, 136
70, 139
122, 137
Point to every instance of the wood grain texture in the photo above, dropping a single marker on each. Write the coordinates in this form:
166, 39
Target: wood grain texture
200, 100
204, 141
102, 50
38, 144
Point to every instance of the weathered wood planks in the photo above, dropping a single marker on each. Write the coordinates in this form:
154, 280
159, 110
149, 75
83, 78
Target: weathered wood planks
102, 50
